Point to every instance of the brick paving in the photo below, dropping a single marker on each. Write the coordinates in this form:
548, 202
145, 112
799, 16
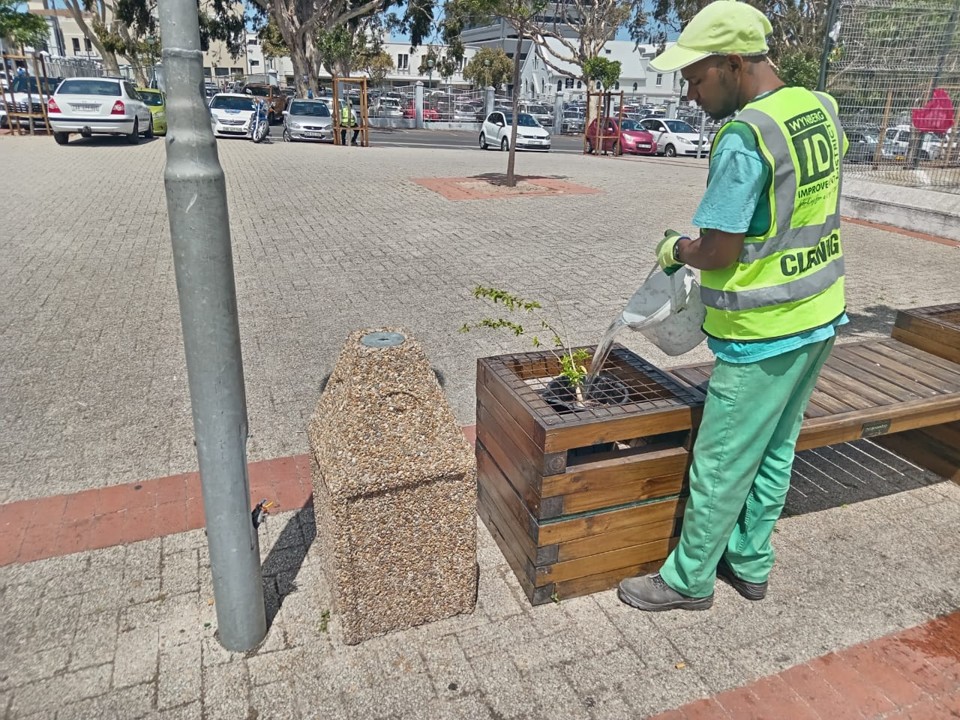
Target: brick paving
107, 603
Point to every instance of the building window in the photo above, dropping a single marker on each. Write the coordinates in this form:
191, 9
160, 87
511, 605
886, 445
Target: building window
579, 85
222, 72
598, 85
659, 79
634, 87
87, 45
559, 85
403, 61
76, 46
254, 63
236, 71
616, 85
206, 72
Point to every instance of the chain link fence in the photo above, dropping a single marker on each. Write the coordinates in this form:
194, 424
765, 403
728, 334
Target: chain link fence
895, 72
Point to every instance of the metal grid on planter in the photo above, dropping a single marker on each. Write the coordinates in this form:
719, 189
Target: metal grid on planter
648, 389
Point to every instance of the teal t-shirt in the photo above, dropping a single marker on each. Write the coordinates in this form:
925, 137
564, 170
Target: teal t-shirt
737, 201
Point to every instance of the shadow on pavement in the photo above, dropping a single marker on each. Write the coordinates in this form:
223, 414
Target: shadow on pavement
873, 319
848, 473
283, 563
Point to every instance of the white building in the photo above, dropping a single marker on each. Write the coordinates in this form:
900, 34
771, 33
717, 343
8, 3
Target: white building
405, 72
637, 81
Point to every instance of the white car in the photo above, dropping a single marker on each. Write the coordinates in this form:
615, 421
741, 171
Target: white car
98, 106
496, 132
675, 137
230, 114
25, 94
389, 108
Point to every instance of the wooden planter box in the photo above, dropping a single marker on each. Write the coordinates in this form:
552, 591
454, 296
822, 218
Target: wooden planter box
577, 501
935, 330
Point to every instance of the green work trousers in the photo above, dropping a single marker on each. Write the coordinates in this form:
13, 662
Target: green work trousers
742, 460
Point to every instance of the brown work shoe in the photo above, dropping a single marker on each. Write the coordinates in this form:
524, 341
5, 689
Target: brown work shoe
749, 590
650, 592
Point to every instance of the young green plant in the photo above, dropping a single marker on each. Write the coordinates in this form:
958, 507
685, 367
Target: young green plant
572, 362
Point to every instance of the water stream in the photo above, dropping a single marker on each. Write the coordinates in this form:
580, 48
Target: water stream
602, 353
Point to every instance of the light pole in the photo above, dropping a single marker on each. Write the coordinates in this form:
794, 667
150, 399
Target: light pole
486, 73
430, 63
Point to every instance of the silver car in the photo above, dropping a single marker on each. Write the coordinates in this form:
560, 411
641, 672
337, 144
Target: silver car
307, 120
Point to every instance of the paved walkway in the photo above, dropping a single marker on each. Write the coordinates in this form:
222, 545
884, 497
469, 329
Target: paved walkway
105, 586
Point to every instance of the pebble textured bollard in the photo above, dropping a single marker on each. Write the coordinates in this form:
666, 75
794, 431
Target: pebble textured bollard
394, 490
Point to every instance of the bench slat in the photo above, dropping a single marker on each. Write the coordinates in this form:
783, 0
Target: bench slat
870, 388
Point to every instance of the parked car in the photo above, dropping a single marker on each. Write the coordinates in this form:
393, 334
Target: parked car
628, 137
157, 103
542, 113
27, 94
388, 108
496, 132
572, 122
230, 114
307, 120
675, 137
276, 99
863, 147
410, 113
98, 106
898, 140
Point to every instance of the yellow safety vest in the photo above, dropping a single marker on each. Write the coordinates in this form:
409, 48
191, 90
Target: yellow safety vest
791, 278
345, 115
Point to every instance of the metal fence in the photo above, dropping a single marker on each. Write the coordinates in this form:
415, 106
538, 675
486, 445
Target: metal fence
64, 67
895, 72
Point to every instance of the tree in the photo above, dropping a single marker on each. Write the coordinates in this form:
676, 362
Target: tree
304, 26
377, 66
594, 22
128, 28
607, 73
340, 49
22, 28
520, 14
271, 41
488, 67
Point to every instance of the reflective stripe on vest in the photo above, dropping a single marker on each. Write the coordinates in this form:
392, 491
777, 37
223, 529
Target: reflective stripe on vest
791, 278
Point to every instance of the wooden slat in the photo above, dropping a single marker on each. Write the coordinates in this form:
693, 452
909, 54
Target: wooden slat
640, 488
911, 376
492, 481
612, 430
872, 388
627, 537
904, 416
601, 581
510, 451
930, 329
946, 350
930, 364
514, 559
596, 523
510, 401
604, 562
591, 476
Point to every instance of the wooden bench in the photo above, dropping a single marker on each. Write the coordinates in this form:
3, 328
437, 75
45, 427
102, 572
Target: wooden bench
578, 501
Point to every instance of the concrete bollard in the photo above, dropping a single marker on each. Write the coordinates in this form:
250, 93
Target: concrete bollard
394, 490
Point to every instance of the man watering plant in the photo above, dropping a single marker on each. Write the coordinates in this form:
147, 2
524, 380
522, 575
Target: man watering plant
772, 283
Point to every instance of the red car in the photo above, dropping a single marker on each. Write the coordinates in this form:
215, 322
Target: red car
628, 138
410, 113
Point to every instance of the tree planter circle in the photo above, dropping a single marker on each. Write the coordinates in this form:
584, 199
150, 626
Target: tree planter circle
606, 390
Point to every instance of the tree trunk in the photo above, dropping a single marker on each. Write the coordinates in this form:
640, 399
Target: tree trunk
511, 157
110, 64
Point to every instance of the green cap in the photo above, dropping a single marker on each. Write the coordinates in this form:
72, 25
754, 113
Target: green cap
724, 27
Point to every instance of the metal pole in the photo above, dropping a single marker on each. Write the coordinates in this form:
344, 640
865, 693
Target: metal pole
827, 43
203, 263
703, 125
